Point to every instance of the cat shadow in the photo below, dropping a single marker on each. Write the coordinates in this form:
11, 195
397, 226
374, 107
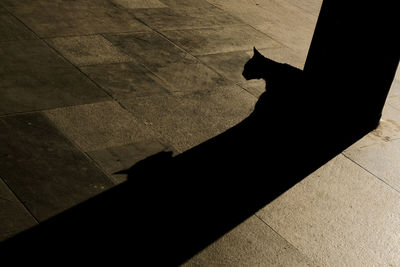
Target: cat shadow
172, 207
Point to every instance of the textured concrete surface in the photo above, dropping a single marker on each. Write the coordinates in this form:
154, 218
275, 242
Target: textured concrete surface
70, 18
99, 125
43, 168
252, 243
341, 215
126, 80
14, 216
220, 39
34, 77
88, 50
90, 87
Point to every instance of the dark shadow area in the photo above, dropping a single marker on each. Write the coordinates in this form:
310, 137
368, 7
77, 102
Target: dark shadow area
172, 207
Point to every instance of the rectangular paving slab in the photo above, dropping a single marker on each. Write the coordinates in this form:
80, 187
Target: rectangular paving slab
68, 18
214, 40
150, 48
252, 243
125, 80
185, 18
100, 125
188, 119
88, 50
34, 77
12, 30
14, 217
44, 169
341, 215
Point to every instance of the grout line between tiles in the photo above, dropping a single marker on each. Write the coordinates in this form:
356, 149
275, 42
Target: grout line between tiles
194, 56
251, 26
264, 222
393, 106
377, 177
20, 201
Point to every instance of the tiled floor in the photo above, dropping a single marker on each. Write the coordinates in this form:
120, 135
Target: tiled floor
91, 87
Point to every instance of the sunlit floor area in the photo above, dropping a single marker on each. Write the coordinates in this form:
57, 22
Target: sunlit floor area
90, 87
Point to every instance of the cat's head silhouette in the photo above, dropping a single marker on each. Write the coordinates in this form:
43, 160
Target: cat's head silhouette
253, 68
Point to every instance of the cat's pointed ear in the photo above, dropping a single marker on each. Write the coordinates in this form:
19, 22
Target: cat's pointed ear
256, 53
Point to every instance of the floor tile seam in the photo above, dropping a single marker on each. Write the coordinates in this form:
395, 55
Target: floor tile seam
188, 28
86, 153
199, 61
217, 26
90, 34
112, 98
64, 107
239, 49
249, 91
79, 149
183, 50
393, 106
246, 23
5, 115
287, 241
19, 200
370, 172
60, 54
197, 56
89, 78
245, 50
20, 21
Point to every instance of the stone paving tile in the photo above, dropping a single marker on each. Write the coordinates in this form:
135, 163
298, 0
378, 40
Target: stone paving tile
113, 159
69, 18
150, 49
311, 6
394, 89
45, 171
230, 64
98, 126
381, 159
13, 30
394, 102
88, 50
34, 77
140, 3
280, 20
252, 243
189, 17
179, 71
125, 80
220, 39
186, 120
340, 215
13, 215
183, 77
